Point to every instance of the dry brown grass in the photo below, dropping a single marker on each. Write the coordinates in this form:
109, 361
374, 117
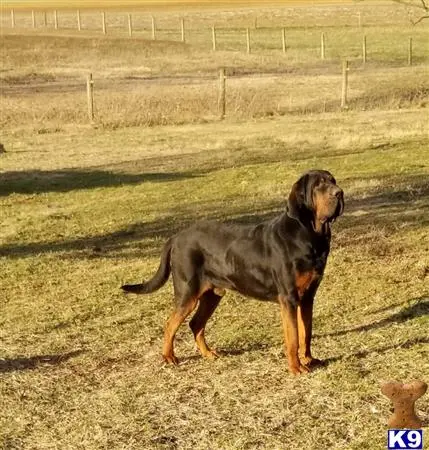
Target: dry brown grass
140, 102
143, 82
166, 5
85, 208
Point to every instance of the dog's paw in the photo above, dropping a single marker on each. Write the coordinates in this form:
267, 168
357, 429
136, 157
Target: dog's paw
171, 359
211, 354
299, 369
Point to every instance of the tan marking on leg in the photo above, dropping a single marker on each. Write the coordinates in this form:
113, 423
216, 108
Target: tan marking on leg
290, 330
305, 321
173, 323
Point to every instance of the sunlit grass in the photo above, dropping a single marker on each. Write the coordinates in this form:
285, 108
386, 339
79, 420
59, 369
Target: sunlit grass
87, 210
86, 207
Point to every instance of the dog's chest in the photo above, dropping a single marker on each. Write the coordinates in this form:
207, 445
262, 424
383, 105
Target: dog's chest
303, 280
309, 270
312, 260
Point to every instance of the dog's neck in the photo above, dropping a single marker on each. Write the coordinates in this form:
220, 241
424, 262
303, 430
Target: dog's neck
310, 220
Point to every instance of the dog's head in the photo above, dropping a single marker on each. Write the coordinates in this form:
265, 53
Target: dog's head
316, 197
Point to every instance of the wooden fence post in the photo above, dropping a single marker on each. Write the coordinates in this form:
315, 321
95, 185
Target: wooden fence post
12, 18
248, 40
130, 25
214, 38
79, 24
153, 28
182, 28
322, 46
284, 39
45, 19
222, 97
56, 19
364, 49
33, 19
103, 19
410, 51
90, 96
344, 84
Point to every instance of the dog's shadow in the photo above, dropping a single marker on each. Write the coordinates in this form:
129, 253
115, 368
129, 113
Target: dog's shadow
33, 362
228, 351
249, 348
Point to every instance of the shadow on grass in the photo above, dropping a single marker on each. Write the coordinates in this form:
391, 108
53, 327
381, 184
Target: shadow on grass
413, 190
129, 241
388, 209
419, 309
228, 351
32, 362
256, 347
37, 181
101, 245
364, 353
248, 348
389, 196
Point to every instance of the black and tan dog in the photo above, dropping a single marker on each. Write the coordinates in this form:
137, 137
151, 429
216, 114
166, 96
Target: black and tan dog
281, 260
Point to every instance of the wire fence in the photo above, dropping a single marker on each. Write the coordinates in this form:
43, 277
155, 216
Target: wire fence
90, 20
140, 101
177, 99
248, 35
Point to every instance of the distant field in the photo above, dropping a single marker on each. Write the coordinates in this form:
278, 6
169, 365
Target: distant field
168, 4
45, 88
87, 206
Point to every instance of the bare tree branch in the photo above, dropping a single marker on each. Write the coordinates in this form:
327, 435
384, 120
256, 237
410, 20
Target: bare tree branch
420, 19
424, 4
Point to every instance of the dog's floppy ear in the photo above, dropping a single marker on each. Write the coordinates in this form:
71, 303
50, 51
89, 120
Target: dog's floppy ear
300, 199
340, 207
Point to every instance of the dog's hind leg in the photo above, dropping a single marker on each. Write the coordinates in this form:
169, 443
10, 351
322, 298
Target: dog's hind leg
182, 311
207, 305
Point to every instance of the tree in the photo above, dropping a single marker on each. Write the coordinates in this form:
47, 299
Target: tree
421, 5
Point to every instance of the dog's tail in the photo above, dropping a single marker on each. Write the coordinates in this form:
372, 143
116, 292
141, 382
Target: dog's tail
159, 279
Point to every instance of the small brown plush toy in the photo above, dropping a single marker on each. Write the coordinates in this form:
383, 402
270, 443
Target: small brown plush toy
403, 397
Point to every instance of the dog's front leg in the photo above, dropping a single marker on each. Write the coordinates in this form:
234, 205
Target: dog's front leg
288, 309
305, 328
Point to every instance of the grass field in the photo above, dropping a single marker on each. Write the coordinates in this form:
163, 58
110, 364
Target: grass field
139, 81
85, 208
166, 5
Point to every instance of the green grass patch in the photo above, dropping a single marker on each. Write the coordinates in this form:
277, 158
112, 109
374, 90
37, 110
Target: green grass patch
86, 210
